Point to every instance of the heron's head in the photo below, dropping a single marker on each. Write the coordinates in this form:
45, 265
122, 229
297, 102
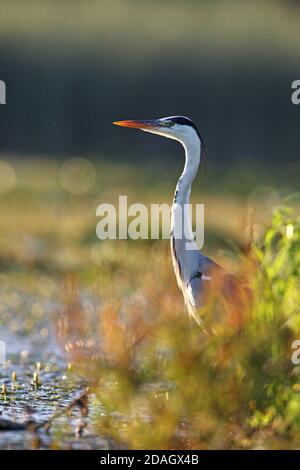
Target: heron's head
174, 127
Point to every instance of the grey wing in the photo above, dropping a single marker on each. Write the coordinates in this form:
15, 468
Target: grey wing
210, 275
197, 286
196, 292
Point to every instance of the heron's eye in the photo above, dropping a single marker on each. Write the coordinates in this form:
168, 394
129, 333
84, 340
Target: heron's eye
171, 124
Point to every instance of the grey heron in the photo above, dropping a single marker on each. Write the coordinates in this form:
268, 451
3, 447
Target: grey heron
196, 274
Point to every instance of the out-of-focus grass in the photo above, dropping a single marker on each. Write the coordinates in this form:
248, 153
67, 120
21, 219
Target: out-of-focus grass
216, 28
158, 381
162, 383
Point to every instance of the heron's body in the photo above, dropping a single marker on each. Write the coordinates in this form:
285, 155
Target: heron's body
194, 271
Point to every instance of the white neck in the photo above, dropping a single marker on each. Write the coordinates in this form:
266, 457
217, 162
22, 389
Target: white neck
192, 159
183, 259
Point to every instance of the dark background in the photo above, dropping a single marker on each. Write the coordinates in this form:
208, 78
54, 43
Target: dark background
71, 68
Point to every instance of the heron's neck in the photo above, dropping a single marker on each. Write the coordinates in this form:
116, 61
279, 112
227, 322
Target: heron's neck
192, 160
181, 224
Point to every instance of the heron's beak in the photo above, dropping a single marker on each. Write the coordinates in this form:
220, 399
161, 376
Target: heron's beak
141, 124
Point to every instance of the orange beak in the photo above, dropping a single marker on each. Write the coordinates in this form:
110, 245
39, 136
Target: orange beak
141, 124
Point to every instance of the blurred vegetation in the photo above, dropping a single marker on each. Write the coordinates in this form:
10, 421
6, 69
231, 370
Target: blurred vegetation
72, 67
156, 380
143, 27
164, 384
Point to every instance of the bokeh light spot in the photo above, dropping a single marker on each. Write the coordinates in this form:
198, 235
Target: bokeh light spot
77, 175
7, 176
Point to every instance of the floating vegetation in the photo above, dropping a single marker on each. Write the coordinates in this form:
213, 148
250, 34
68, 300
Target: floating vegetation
102, 351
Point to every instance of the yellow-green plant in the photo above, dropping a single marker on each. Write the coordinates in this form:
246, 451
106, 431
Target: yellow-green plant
161, 382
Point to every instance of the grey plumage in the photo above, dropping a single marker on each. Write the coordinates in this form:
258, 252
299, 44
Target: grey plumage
196, 274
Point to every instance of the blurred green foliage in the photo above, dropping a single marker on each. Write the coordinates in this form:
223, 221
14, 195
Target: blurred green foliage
146, 28
158, 381
162, 383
